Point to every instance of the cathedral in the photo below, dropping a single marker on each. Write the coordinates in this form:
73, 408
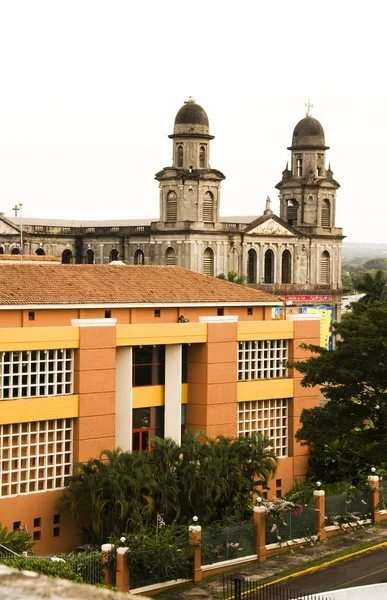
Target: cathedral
296, 255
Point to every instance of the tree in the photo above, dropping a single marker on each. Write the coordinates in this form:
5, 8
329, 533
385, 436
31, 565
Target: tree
233, 277
354, 378
376, 264
373, 286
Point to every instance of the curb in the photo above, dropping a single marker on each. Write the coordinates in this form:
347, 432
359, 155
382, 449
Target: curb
329, 563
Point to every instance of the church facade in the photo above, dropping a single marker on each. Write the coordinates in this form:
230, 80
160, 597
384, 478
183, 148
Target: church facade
296, 254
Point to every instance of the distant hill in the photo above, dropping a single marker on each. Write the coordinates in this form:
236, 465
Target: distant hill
363, 251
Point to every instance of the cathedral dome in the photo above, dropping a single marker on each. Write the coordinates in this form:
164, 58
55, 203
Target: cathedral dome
191, 119
308, 133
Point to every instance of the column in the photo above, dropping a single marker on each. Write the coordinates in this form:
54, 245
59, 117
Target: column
260, 532
124, 403
172, 390
194, 540
319, 507
122, 570
374, 497
101, 246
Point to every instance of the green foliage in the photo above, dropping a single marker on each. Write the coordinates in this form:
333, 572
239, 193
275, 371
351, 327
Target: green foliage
373, 285
44, 567
214, 480
376, 264
233, 277
347, 283
18, 541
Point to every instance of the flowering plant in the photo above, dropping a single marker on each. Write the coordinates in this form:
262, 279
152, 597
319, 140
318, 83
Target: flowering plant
278, 511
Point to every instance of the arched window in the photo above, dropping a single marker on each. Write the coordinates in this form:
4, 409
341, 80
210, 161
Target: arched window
208, 262
326, 213
139, 258
202, 157
15, 251
171, 207
40, 252
170, 256
325, 267
286, 267
208, 208
269, 266
67, 257
90, 257
292, 211
179, 154
299, 166
114, 254
1, 250
252, 266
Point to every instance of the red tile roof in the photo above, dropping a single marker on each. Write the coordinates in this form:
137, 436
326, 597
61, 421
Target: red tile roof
32, 284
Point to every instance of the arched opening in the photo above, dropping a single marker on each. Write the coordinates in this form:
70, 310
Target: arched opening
114, 254
171, 207
269, 266
326, 213
325, 267
208, 262
202, 157
170, 256
299, 166
89, 257
252, 266
67, 257
292, 211
40, 252
286, 267
1, 250
139, 258
15, 251
208, 207
180, 156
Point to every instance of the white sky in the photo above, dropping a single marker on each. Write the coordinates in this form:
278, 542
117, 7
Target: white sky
89, 91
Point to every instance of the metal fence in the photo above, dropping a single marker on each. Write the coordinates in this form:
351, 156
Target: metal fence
228, 543
236, 588
148, 567
343, 508
293, 527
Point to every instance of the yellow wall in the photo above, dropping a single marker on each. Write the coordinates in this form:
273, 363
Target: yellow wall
39, 338
153, 395
265, 330
168, 333
264, 389
39, 409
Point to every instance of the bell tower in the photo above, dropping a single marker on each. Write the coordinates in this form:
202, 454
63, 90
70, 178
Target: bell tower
189, 189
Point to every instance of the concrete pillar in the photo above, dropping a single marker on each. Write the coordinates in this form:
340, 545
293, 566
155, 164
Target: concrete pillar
107, 575
122, 570
172, 390
374, 497
319, 507
124, 402
194, 540
260, 532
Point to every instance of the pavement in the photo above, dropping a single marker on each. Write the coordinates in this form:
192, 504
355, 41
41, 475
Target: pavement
212, 588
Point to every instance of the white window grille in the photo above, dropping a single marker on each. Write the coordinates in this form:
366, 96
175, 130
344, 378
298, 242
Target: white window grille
326, 214
171, 206
170, 256
325, 267
208, 207
263, 359
270, 417
31, 373
35, 457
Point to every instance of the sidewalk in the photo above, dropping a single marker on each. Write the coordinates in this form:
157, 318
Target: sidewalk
300, 558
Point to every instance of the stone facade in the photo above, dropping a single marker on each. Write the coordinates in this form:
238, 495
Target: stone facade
297, 254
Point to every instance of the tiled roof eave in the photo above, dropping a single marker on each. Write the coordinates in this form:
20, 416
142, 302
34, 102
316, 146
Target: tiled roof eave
186, 304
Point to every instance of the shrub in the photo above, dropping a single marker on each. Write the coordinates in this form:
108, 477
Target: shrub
44, 566
18, 541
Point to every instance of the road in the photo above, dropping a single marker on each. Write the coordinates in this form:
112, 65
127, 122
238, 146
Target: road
365, 569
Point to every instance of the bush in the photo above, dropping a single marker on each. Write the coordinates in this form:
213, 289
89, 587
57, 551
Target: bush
44, 566
18, 541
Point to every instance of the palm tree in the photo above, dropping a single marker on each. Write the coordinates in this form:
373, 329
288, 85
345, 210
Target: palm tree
374, 287
233, 277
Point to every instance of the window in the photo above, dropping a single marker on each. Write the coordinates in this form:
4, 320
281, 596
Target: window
56, 519
250, 310
286, 267
56, 532
90, 257
208, 207
31, 315
170, 257
252, 266
40, 252
263, 359
157, 312
269, 266
36, 536
220, 312
202, 157
31, 373
15, 251
37, 522
184, 363
39, 228
108, 314
299, 166
326, 213
278, 483
90, 229
147, 423
65, 230
180, 156
139, 258
292, 212
16, 525
1, 250
148, 365
113, 255
325, 267
270, 417
114, 229
171, 207
66, 257
35, 457
208, 262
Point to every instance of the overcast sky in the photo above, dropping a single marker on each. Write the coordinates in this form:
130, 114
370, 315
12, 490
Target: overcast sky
89, 91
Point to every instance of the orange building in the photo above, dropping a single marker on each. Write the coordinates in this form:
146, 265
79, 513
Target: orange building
94, 357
